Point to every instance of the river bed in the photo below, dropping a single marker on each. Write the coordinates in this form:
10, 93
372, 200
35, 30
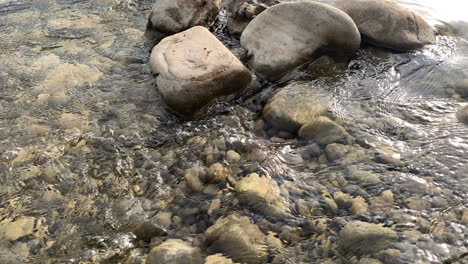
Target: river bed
88, 150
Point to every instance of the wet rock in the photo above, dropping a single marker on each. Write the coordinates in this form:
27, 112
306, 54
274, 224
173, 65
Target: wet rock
173, 16
383, 201
20, 227
289, 34
217, 259
359, 205
344, 154
262, 194
296, 105
236, 237
462, 115
324, 131
362, 176
218, 173
387, 156
148, 230
174, 251
194, 68
369, 261
242, 13
232, 156
194, 177
387, 24
361, 238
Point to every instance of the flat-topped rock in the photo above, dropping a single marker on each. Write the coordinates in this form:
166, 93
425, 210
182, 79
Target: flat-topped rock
194, 68
289, 34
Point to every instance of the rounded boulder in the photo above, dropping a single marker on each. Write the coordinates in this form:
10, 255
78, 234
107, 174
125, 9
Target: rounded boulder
289, 34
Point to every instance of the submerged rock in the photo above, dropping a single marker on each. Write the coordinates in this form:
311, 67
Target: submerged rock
218, 259
387, 24
236, 237
194, 68
360, 238
324, 131
23, 226
174, 251
462, 115
173, 16
289, 34
296, 105
262, 194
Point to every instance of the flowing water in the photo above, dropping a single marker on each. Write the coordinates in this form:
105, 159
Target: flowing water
88, 149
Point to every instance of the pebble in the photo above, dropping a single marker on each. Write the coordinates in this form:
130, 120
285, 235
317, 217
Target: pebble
233, 156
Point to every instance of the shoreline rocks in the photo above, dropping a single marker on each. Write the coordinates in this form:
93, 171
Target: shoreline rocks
289, 34
195, 68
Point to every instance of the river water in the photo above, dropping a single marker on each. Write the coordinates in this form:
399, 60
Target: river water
88, 150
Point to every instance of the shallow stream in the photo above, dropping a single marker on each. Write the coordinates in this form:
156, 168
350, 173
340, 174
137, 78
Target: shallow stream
88, 150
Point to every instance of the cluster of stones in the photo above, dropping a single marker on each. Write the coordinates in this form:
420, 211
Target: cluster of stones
194, 68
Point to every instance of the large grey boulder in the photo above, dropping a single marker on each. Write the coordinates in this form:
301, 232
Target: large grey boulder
295, 105
289, 34
173, 16
194, 68
175, 251
387, 24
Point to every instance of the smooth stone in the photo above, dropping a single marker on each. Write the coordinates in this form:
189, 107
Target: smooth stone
195, 68
194, 177
324, 131
174, 251
296, 105
235, 236
218, 173
232, 156
360, 238
362, 176
387, 24
22, 226
462, 115
369, 261
262, 194
148, 230
218, 259
242, 13
289, 34
174, 16
344, 154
